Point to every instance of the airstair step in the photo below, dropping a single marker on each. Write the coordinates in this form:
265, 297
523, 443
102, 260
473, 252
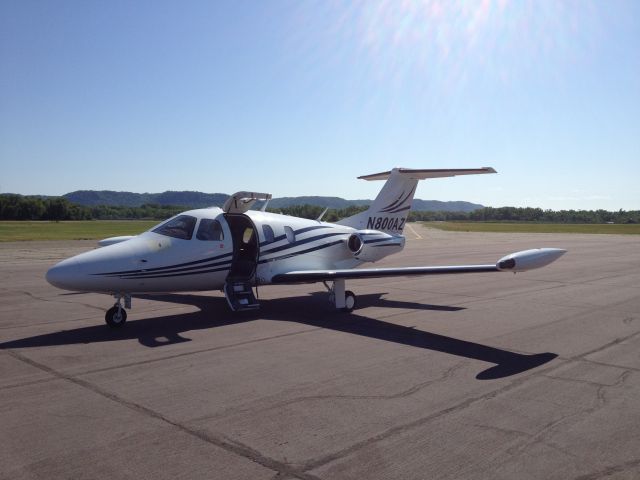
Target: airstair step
240, 296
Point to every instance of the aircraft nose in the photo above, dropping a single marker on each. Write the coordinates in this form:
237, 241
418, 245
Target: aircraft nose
65, 275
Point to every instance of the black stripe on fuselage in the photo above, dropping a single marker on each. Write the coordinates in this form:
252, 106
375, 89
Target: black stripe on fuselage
377, 240
193, 269
195, 265
171, 274
296, 232
300, 242
301, 252
168, 267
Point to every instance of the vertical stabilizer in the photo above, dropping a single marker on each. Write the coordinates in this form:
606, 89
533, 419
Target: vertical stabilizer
388, 212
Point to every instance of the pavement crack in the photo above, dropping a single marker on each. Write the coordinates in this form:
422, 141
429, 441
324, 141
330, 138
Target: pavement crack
402, 394
589, 382
605, 364
56, 300
306, 398
225, 443
399, 429
541, 436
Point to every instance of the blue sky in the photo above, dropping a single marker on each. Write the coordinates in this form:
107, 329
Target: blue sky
301, 97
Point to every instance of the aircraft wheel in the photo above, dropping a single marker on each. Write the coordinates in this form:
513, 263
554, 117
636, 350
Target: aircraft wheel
115, 317
349, 301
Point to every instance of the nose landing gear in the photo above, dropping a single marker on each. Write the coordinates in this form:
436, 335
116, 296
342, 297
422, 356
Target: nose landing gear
116, 316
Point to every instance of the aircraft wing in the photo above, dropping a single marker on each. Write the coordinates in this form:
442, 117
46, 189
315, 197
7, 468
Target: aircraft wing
307, 276
516, 262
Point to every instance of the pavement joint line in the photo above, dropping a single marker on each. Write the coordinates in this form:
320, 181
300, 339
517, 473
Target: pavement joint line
53, 322
582, 357
607, 345
400, 429
195, 352
28, 384
224, 443
610, 470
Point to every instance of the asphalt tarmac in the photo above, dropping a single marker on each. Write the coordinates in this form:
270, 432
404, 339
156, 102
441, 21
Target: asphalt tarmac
482, 376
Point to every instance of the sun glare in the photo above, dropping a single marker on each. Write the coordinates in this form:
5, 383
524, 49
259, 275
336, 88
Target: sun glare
452, 41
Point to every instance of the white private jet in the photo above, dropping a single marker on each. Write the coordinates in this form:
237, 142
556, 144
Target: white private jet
235, 249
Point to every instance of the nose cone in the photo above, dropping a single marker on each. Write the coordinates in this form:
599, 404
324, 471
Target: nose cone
66, 275
90, 271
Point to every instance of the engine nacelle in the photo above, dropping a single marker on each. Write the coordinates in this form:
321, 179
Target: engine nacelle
371, 245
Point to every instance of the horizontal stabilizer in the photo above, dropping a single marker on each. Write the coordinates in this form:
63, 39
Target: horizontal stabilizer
422, 174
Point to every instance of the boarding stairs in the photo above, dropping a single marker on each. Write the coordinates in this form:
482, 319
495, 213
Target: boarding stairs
240, 296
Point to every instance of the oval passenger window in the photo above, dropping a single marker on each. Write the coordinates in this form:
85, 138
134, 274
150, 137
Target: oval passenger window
291, 236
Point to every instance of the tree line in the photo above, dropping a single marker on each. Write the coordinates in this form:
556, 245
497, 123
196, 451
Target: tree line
529, 214
18, 207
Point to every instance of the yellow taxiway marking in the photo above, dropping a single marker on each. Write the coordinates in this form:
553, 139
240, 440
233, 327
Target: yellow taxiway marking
418, 237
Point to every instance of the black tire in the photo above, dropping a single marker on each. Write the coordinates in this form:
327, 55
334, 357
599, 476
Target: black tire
115, 317
350, 301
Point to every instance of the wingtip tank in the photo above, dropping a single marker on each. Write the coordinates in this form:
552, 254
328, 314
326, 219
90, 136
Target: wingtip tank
529, 259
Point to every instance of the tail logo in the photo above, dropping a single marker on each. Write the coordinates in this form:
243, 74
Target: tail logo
397, 206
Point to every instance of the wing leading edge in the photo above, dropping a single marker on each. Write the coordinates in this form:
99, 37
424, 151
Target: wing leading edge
308, 276
515, 262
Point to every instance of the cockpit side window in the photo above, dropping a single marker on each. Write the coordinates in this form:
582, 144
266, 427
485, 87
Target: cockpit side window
181, 227
210, 229
269, 236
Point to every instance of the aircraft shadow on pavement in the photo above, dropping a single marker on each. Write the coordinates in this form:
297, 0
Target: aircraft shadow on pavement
312, 310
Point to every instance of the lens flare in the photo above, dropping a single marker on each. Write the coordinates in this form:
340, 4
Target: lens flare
448, 43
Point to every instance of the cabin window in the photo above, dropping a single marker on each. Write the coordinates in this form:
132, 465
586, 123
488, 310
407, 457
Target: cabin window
291, 236
181, 227
246, 236
269, 236
210, 230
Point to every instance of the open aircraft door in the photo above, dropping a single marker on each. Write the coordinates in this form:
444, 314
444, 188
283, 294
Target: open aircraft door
238, 287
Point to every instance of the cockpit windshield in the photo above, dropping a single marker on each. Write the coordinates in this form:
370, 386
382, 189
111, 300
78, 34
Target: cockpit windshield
179, 227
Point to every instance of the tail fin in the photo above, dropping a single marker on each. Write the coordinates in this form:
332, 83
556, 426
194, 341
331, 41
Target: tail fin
388, 212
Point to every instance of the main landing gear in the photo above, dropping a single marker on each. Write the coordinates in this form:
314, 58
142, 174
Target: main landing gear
343, 300
116, 316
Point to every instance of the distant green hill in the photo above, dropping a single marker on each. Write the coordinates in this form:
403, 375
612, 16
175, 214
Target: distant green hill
92, 198
189, 199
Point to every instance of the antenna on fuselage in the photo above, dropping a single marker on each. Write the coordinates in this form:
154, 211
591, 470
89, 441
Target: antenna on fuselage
322, 215
264, 205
